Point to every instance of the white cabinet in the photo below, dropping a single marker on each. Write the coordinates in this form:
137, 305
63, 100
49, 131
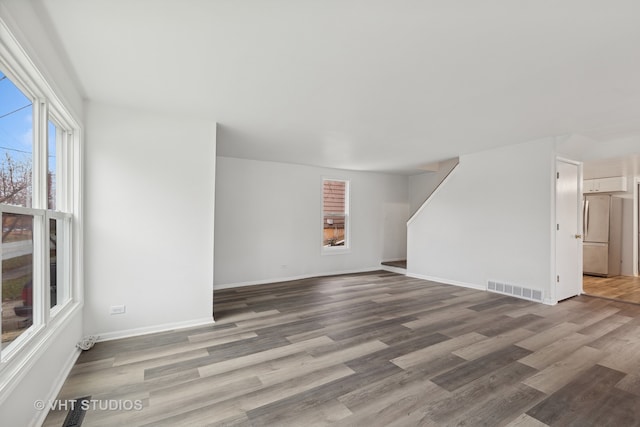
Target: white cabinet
605, 185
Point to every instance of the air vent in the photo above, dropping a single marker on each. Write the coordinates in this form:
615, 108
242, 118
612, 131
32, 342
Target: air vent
514, 290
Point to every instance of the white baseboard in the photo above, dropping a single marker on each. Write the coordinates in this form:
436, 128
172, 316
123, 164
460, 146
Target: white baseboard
127, 333
292, 278
57, 386
448, 281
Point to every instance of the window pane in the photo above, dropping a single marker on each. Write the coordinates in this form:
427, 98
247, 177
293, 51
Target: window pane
334, 196
58, 282
53, 259
334, 216
16, 144
334, 227
17, 275
53, 136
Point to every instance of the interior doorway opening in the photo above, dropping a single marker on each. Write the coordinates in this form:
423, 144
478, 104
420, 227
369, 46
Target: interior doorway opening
624, 284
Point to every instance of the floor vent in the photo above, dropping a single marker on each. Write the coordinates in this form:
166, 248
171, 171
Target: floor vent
516, 291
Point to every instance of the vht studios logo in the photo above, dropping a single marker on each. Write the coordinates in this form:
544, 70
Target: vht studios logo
89, 405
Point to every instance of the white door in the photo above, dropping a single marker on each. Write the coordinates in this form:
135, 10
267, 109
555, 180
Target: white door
568, 232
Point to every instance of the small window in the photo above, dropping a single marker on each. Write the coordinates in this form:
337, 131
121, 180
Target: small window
335, 214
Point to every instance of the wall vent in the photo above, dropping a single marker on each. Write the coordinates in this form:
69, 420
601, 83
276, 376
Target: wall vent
514, 290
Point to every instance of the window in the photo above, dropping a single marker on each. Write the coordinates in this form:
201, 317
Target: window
335, 214
36, 213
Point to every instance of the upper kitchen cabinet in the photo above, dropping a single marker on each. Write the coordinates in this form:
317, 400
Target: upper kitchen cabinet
605, 185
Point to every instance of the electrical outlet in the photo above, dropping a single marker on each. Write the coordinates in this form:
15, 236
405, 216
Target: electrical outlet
117, 309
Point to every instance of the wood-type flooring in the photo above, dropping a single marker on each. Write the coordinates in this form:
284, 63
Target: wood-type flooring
397, 264
373, 349
623, 288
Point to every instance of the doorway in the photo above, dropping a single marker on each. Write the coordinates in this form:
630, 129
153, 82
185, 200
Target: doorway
623, 284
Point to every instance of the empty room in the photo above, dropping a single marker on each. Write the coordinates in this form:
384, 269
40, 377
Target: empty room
305, 213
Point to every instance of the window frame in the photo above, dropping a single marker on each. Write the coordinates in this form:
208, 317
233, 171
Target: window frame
346, 248
19, 355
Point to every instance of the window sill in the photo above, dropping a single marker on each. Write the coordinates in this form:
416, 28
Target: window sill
335, 250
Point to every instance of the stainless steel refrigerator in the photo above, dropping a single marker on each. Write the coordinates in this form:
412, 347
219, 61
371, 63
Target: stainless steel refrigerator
602, 221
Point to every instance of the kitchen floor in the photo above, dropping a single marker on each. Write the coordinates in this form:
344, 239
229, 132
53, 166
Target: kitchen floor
621, 288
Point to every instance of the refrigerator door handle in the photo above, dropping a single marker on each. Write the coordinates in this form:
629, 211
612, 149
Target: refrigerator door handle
586, 215
584, 218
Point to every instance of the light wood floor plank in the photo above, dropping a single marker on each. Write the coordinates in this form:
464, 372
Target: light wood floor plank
559, 374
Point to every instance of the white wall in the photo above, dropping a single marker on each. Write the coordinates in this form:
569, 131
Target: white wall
490, 221
149, 204
268, 221
422, 185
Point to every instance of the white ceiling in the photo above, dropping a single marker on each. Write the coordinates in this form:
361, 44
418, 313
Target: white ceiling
366, 85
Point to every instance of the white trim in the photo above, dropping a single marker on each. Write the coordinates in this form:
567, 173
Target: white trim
21, 210
127, 333
432, 195
335, 250
292, 278
57, 386
33, 352
447, 281
636, 182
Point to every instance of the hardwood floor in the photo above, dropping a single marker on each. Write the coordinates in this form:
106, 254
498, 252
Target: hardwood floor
397, 264
374, 349
623, 288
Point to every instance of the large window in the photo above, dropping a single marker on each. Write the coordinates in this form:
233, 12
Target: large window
335, 214
36, 214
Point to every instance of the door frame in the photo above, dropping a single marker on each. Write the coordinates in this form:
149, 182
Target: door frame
553, 297
636, 219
